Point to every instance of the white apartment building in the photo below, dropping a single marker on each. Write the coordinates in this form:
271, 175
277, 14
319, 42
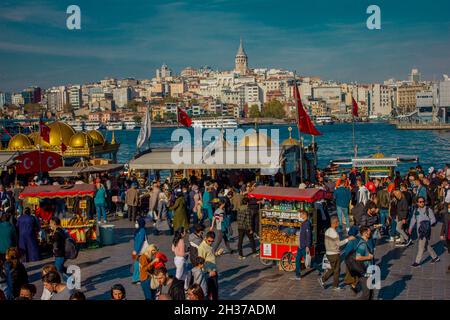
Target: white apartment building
381, 101
57, 97
122, 96
75, 96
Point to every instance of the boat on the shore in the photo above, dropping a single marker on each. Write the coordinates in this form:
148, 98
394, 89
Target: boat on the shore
324, 120
218, 122
130, 125
114, 125
92, 125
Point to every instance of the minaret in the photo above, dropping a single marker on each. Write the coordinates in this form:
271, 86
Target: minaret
241, 60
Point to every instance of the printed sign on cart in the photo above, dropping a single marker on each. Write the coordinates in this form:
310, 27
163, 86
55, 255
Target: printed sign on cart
267, 249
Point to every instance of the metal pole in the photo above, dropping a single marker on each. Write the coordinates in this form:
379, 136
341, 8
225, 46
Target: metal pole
354, 143
298, 130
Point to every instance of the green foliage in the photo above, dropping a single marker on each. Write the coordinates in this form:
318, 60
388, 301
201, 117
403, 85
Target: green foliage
274, 109
254, 111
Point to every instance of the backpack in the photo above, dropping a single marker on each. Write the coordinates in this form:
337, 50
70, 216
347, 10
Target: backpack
357, 212
424, 229
355, 268
70, 247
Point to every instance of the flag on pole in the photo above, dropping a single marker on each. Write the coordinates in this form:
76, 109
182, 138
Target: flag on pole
146, 130
183, 118
354, 108
304, 124
63, 147
44, 131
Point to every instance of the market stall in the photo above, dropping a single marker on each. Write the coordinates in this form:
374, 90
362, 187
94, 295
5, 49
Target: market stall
280, 224
77, 200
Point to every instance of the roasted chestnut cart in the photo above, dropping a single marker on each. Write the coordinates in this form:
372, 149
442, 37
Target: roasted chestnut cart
280, 225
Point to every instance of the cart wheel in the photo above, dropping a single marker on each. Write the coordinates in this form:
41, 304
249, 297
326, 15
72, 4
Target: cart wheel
266, 262
287, 262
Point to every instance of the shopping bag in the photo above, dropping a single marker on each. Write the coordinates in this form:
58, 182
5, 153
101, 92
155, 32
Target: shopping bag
144, 247
325, 263
307, 260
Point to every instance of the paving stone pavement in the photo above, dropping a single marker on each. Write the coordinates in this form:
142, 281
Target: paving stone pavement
249, 279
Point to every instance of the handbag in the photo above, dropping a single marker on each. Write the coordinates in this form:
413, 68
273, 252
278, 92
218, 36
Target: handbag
307, 260
326, 265
154, 284
144, 246
355, 268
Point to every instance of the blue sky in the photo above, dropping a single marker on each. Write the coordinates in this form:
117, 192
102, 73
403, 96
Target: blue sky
132, 38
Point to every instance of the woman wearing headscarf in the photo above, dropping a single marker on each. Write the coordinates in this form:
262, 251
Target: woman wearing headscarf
28, 228
140, 237
179, 212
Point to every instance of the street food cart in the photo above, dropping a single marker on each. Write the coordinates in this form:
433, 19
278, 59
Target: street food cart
76, 198
280, 225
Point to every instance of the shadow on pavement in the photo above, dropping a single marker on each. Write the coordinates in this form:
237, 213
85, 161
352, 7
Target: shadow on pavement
394, 290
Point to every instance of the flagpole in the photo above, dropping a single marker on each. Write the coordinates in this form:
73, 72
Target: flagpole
39, 149
298, 130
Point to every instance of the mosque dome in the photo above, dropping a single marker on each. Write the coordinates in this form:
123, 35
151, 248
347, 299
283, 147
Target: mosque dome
20, 141
80, 139
60, 132
97, 137
37, 140
256, 139
290, 141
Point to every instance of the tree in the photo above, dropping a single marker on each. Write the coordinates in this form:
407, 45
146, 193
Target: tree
137, 118
33, 108
158, 118
254, 111
274, 109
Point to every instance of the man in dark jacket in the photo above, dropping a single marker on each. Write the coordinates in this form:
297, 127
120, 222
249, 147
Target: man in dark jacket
370, 220
244, 221
383, 205
59, 241
169, 285
305, 242
401, 215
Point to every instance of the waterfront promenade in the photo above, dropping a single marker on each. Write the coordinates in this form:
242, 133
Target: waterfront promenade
249, 279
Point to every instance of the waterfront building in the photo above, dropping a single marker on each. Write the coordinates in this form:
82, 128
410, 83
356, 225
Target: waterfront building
5, 98
122, 96
17, 99
75, 96
178, 88
56, 98
425, 106
188, 72
406, 97
381, 100
163, 72
31, 95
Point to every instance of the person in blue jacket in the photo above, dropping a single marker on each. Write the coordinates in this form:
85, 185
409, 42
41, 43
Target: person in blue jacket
305, 242
28, 227
342, 195
140, 236
100, 201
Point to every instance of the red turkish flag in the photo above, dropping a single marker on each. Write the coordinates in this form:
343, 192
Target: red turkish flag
354, 108
63, 147
183, 118
44, 131
304, 124
36, 161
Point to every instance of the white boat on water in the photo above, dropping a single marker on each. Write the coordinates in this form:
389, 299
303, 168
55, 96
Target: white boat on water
76, 125
92, 125
324, 120
222, 122
115, 125
130, 125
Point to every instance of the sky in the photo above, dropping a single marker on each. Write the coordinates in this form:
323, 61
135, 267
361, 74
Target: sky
132, 38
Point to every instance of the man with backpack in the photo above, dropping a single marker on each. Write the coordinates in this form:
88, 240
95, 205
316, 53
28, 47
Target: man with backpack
423, 217
195, 239
63, 245
362, 260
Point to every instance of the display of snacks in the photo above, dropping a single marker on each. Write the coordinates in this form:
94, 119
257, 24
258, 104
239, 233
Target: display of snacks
274, 235
281, 222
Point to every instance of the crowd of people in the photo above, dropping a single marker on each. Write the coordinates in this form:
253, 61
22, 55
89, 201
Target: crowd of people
199, 213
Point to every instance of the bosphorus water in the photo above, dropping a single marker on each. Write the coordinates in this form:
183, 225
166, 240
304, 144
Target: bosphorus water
432, 147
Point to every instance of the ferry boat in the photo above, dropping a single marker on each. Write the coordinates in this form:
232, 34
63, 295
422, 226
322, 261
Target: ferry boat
115, 125
92, 125
324, 120
130, 125
76, 125
208, 123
